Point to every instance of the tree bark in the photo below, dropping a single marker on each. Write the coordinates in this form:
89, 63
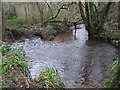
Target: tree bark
107, 8
82, 12
85, 16
1, 22
41, 13
119, 16
94, 20
87, 20
103, 17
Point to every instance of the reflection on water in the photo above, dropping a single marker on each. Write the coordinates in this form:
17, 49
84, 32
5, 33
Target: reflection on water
78, 61
64, 37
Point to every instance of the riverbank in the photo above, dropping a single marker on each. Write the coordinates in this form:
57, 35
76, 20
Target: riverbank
113, 78
15, 72
77, 60
50, 31
65, 41
46, 32
114, 40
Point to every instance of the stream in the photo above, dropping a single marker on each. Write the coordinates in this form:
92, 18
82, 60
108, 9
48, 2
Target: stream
80, 61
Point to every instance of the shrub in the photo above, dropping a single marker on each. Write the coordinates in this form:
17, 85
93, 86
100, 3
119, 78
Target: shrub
14, 28
38, 25
52, 29
13, 22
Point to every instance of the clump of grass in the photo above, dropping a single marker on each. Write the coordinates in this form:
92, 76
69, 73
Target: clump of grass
49, 78
114, 80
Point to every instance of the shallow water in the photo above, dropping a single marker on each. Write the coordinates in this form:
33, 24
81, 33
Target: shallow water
79, 61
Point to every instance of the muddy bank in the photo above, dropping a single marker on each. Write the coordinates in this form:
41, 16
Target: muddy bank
46, 32
79, 61
115, 42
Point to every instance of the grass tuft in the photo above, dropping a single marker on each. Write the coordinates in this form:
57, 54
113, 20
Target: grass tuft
49, 78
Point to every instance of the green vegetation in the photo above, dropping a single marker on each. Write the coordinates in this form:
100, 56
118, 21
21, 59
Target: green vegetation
13, 22
51, 31
96, 15
112, 37
14, 70
93, 14
38, 25
14, 28
49, 77
114, 80
13, 65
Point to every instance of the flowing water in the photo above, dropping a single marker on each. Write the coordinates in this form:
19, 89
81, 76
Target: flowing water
79, 61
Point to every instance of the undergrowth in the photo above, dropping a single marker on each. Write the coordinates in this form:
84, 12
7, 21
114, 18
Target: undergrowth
14, 27
51, 29
114, 80
49, 78
13, 22
112, 37
14, 68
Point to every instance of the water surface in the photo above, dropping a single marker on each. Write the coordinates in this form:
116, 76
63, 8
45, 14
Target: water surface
79, 61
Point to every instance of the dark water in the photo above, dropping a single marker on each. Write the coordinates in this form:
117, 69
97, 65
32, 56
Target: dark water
80, 61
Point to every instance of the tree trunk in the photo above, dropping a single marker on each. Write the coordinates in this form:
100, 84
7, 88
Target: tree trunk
94, 22
119, 16
103, 17
1, 23
93, 18
85, 16
87, 20
41, 13
81, 11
